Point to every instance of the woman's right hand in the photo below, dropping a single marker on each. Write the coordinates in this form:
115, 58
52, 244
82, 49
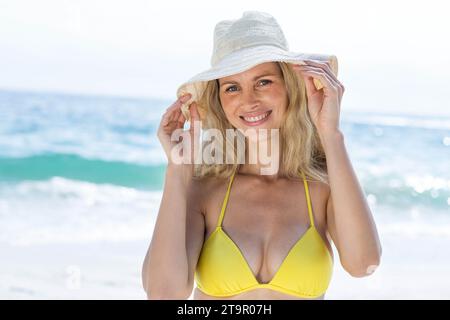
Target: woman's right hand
174, 119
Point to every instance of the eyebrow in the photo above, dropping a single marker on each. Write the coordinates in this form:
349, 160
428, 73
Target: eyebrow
257, 77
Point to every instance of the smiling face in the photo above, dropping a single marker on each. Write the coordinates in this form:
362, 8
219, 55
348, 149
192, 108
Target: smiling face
256, 98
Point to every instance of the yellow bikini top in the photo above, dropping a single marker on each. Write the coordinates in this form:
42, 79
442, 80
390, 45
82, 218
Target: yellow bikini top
222, 269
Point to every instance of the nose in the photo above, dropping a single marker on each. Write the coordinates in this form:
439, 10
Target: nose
249, 99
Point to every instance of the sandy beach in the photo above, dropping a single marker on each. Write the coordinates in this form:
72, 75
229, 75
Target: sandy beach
77, 209
413, 267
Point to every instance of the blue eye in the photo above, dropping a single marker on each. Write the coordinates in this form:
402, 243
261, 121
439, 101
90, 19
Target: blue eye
268, 81
228, 89
263, 80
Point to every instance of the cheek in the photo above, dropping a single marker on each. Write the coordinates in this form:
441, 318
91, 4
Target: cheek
281, 101
228, 105
229, 109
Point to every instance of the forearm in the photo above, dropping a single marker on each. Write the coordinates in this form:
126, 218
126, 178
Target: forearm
165, 269
354, 224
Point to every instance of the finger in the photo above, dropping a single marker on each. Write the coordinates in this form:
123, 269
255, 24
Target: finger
195, 134
326, 67
179, 102
166, 118
181, 119
193, 111
323, 77
170, 116
320, 69
310, 87
175, 115
321, 64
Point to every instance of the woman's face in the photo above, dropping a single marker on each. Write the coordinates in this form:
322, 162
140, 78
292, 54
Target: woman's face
256, 98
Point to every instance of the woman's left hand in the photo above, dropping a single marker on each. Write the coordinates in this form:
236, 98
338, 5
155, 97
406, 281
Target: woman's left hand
324, 105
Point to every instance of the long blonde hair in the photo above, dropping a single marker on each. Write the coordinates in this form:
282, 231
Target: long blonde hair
300, 146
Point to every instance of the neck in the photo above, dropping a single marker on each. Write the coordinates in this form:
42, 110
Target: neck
264, 160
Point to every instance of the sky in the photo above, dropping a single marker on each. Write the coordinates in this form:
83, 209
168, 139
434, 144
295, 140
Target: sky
394, 56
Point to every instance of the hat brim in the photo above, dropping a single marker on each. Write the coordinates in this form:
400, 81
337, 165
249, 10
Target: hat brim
242, 60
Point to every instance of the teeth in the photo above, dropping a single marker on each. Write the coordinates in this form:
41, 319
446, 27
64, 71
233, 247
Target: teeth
254, 119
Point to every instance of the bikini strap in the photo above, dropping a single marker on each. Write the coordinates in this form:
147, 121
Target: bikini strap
225, 200
308, 200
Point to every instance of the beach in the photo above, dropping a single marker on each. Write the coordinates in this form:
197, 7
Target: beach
412, 267
81, 182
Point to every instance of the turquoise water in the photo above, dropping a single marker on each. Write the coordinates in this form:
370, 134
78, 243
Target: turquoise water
77, 168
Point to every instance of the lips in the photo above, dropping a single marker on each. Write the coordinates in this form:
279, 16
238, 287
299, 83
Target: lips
256, 119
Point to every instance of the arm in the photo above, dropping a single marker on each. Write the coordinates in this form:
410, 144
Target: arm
164, 272
169, 265
349, 219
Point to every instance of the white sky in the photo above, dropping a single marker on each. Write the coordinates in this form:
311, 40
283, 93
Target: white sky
394, 56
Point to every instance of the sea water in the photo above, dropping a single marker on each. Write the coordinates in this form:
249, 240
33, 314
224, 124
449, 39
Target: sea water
80, 169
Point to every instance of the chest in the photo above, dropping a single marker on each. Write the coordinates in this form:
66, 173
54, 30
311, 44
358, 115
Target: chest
265, 221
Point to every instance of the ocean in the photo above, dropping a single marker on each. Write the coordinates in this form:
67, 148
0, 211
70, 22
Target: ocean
81, 171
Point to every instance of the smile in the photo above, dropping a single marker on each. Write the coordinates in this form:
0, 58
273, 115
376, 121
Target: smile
256, 120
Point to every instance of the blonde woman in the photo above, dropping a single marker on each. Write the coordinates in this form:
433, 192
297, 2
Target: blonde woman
237, 232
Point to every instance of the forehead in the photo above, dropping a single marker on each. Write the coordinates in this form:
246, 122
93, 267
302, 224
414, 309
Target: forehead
260, 69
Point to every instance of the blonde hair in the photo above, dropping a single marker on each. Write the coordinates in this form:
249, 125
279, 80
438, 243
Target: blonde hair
300, 146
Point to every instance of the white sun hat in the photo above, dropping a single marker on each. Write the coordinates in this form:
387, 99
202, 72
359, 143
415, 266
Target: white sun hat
241, 44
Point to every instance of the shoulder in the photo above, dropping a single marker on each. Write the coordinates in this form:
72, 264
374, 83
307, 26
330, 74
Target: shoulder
203, 191
319, 190
319, 193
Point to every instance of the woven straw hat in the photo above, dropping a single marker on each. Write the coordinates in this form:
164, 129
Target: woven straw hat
241, 44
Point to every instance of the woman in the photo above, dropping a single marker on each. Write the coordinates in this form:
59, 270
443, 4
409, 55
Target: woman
242, 234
